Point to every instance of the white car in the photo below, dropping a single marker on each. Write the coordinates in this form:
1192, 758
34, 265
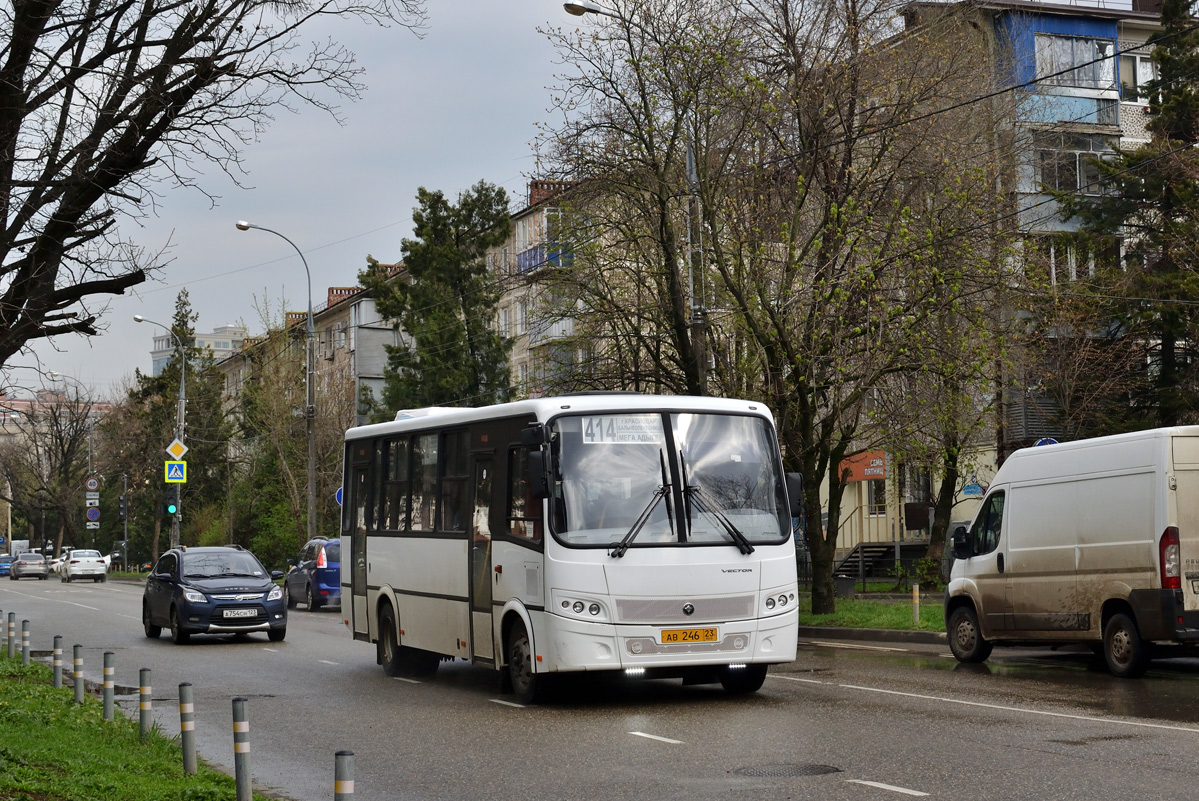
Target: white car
84, 564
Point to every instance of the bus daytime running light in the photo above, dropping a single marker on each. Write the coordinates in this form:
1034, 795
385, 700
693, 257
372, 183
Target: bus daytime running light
578, 607
770, 603
594, 609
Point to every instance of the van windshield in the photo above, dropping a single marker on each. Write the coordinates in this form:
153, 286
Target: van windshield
718, 476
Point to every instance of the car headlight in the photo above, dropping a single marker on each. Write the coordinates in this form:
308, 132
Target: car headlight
194, 596
275, 594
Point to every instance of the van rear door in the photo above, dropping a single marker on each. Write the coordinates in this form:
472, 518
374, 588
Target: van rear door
1186, 498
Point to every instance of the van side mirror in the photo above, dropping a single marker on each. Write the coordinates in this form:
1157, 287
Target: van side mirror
794, 483
539, 484
961, 543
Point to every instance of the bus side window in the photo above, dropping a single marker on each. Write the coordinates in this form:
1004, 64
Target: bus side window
524, 511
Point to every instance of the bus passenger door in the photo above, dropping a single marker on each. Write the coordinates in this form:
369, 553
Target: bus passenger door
359, 610
482, 646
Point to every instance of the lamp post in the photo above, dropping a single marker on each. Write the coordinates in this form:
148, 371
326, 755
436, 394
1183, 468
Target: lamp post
698, 316
310, 410
176, 518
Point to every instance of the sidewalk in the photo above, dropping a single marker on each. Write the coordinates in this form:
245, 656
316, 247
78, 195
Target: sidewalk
871, 635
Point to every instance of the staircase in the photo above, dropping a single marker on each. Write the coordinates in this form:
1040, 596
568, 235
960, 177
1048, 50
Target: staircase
877, 559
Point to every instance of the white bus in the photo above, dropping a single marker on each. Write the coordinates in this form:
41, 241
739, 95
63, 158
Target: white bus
608, 531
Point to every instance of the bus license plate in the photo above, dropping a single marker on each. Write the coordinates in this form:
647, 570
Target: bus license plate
241, 613
688, 635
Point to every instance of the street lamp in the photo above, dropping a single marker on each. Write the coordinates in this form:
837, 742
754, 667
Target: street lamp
310, 410
694, 226
176, 518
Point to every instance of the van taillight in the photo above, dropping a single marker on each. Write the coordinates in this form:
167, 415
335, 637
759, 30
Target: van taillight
321, 561
1171, 574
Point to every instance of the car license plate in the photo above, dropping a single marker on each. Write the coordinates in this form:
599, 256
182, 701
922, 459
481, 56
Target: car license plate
688, 635
241, 613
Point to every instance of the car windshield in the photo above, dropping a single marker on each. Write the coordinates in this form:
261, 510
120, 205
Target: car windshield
717, 474
31, 557
221, 564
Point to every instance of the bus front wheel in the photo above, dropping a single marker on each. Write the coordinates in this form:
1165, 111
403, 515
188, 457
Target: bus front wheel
743, 679
520, 664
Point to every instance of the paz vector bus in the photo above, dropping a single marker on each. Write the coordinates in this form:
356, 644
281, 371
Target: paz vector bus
644, 534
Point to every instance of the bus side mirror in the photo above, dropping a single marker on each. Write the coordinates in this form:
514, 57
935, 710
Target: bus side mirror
795, 493
961, 546
539, 485
533, 436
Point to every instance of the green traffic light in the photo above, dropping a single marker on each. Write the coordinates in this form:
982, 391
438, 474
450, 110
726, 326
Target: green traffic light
172, 508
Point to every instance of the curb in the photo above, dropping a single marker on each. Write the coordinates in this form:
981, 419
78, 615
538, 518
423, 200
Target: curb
873, 635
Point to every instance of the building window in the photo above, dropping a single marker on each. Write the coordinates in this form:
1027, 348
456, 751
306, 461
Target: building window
522, 318
1061, 257
1075, 61
1136, 73
1066, 162
505, 322
876, 497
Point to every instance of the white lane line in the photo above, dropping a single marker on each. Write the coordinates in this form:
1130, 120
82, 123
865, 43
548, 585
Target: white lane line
272, 650
656, 737
854, 646
409, 681
795, 678
1088, 718
507, 703
327, 662
882, 786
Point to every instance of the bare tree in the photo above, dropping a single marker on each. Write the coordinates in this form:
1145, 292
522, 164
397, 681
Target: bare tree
103, 104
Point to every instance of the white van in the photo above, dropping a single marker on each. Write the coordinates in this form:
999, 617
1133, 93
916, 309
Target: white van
1093, 542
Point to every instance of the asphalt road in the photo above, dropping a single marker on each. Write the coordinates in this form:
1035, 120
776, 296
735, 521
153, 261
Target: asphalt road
849, 719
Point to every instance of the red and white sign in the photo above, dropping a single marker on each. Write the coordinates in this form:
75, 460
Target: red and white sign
865, 466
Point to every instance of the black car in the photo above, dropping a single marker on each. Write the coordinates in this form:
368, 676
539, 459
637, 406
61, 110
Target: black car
214, 590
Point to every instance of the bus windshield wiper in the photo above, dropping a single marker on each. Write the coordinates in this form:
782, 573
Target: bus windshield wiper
695, 496
661, 492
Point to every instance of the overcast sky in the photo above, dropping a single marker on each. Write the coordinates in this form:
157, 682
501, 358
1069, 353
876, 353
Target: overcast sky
442, 112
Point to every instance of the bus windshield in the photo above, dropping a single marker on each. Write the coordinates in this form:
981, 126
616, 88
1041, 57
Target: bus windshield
694, 478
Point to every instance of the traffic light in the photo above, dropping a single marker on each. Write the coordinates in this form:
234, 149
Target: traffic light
171, 507
121, 508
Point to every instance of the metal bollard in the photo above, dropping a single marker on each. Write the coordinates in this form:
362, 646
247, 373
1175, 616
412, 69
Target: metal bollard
78, 674
916, 605
187, 728
343, 776
241, 749
109, 670
58, 661
12, 627
24, 642
145, 704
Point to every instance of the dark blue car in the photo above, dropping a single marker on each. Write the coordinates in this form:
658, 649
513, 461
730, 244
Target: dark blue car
315, 575
216, 590
6, 564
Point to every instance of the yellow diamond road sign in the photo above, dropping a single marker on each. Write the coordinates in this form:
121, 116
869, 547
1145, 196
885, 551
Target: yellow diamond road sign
176, 449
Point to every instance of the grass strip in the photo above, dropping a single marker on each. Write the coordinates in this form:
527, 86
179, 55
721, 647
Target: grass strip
53, 749
861, 614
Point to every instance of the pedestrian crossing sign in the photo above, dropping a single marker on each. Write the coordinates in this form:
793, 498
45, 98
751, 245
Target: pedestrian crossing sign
176, 472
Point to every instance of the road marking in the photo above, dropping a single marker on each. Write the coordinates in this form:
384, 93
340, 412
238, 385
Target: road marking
1064, 715
882, 786
272, 650
401, 678
794, 678
854, 646
327, 662
507, 703
656, 737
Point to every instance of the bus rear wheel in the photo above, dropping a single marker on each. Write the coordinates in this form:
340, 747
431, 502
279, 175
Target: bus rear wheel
399, 660
520, 665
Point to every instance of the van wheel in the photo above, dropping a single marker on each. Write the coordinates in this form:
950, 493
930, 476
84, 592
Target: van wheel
965, 639
1126, 653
